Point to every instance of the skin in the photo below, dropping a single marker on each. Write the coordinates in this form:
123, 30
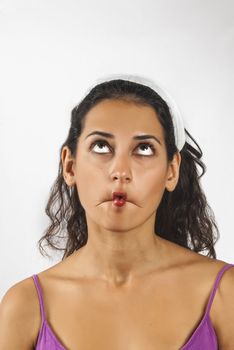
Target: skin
121, 241
127, 288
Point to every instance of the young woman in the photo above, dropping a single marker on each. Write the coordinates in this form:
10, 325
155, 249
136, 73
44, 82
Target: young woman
129, 206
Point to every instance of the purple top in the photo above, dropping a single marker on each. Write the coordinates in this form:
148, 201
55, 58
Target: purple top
204, 336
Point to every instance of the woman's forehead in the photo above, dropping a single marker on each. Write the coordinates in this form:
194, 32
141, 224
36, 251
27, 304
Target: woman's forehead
116, 116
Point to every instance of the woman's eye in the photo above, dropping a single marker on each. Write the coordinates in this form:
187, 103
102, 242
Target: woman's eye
102, 145
148, 146
99, 142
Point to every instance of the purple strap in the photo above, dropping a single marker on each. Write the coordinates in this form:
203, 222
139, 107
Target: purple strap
218, 278
40, 295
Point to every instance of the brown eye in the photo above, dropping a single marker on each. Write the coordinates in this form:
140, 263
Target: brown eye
148, 146
99, 143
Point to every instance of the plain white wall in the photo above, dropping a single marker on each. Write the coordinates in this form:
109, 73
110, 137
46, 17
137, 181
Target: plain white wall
53, 51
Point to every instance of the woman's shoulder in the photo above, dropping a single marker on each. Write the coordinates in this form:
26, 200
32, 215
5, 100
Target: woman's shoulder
221, 281
21, 296
209, 275
20, 314
197, 269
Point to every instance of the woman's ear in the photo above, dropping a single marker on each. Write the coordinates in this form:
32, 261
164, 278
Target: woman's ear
68, 163
173, 172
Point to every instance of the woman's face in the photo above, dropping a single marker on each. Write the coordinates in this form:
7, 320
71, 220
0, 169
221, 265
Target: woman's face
102, 164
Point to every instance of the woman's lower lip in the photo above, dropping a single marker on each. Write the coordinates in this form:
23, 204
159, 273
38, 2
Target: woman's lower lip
119, 202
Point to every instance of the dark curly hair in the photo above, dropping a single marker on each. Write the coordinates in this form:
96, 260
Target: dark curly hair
183, 216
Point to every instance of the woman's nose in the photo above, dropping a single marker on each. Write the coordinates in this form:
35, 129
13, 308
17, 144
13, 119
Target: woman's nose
122, 177
121, 170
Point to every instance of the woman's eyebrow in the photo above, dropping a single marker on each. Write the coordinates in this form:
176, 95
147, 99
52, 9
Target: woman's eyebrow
137, 137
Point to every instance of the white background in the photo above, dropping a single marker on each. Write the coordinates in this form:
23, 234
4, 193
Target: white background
53, 51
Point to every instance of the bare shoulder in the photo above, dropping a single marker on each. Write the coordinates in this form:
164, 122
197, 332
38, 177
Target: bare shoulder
223, 310
206, 270
197, 269
19, 316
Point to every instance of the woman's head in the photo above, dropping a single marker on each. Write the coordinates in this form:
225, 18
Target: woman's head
93, 166
117, 162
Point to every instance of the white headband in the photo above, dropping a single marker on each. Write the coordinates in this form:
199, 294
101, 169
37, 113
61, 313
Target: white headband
175, 113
